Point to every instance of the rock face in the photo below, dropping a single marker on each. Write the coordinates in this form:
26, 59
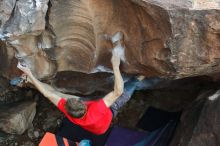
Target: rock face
186, 4
17, 119
161, 38
200, 122
22, 16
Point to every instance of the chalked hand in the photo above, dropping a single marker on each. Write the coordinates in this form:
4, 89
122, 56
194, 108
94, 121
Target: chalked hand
119, 49
23, 67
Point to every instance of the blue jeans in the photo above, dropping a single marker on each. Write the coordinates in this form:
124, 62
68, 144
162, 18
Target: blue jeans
129, 87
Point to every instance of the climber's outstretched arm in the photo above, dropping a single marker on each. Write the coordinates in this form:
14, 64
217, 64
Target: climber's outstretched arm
48, 91
110, 98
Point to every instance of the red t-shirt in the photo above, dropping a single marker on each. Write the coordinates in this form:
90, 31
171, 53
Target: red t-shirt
97, 118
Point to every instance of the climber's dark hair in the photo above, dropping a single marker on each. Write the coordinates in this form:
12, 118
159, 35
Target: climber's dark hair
75, 108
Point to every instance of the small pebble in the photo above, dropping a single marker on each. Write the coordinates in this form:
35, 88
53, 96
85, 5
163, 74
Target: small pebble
59, 121
36, 134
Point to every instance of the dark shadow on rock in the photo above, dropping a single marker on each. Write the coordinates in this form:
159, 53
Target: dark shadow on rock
200, 122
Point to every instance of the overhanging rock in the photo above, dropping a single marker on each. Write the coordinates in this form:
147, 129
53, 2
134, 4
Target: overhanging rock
161, 38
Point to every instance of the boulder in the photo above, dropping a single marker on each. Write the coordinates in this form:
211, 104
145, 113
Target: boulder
186, 4
199, 125
22, 17
170, 39
17, 117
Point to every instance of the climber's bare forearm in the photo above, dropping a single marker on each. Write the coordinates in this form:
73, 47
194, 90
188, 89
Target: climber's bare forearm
119, 83
60, 94
48, 91
110, 98
43, 88
48, 87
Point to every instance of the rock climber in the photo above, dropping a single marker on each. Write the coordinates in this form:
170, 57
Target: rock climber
94, 116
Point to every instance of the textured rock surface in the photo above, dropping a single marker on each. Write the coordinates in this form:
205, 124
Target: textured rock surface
186, 4
47, 117
10, 94
161, 38
17, 119
100, 83
22, 16
200, 123
206, 4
